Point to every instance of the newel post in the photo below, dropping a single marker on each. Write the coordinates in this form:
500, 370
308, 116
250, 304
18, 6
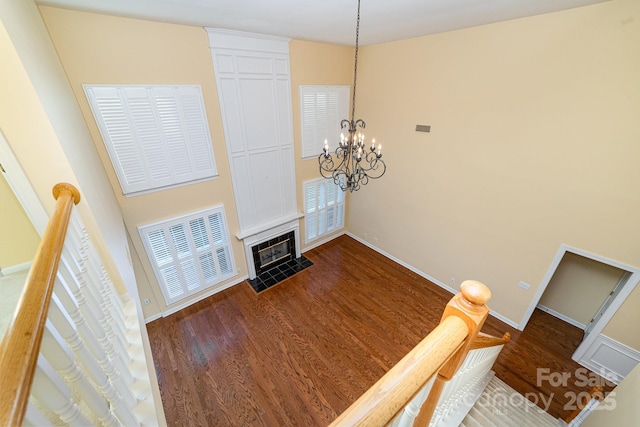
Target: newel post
469, 305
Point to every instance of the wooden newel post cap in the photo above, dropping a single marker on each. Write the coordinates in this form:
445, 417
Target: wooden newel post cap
475, 292
62, 187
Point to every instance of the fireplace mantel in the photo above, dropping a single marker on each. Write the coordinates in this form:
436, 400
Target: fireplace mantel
243, 234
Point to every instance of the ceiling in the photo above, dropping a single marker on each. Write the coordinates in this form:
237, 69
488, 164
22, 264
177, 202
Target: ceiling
331, 21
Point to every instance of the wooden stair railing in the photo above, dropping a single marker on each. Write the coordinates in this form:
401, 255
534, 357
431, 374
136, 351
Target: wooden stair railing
484, 340
20, 344
440, 353
460, 393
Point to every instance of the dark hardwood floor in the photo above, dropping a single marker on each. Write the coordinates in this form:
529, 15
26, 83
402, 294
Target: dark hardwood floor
300, 353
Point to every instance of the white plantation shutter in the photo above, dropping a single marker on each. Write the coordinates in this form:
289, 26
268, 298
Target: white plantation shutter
323, 208
156, 136
189, 253
323, 108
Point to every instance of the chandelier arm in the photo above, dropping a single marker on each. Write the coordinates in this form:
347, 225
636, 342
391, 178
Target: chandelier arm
326, 165
375, 165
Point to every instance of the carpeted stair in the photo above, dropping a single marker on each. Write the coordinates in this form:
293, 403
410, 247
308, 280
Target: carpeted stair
501, 406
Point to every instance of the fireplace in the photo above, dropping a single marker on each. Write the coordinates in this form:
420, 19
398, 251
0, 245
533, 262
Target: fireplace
273, 252
274, 255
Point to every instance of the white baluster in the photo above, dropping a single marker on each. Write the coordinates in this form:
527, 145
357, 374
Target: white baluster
106, 287
93, 361
93, 255
474, 368
102, 289
69, 370
76, 226
102, 286
412, 409
33, 417
86, 311
49, 390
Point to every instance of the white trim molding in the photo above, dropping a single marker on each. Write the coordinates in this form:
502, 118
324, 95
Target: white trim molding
13, 269
22, 188
608, 314
317, 243
610, 358
241, 40
252, 75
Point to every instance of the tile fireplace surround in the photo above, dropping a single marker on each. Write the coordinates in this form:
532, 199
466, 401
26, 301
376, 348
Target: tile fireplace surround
277, 265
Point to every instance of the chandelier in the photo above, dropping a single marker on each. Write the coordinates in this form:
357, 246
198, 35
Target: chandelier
354, 162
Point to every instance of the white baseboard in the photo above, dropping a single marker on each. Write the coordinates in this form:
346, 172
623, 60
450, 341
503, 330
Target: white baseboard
610, 358
429, 278
503, 319
18, 268
561, 316
323, 241
152, 318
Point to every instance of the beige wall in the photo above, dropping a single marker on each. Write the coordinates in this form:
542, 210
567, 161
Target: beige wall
533, 144
19, 239
579, 286
41, 122
104, 49
25, 125
619, 408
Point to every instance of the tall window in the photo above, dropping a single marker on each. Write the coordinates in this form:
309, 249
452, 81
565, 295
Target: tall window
156, 136
323, 107
324, 208
189, 253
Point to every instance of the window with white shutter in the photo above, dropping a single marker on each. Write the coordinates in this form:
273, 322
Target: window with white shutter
189, 253
156, 136
323, 208
323, 108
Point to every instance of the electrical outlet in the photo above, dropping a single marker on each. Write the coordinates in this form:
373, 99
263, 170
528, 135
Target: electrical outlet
375, 240
524, 285
146, 301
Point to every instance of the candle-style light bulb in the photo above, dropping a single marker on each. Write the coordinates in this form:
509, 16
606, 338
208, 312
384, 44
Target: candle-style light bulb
379, 149
373, 144
326, 146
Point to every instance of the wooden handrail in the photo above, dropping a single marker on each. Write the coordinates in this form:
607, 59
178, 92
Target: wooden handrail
442, 350
484, 341
378, 405
20, 344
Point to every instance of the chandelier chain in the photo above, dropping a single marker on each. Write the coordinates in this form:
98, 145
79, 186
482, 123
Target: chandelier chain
352, 164
355, 67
